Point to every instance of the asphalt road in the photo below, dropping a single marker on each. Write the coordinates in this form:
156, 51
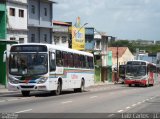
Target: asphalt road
101, 99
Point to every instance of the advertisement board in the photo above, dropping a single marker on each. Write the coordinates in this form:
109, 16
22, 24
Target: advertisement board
78, 38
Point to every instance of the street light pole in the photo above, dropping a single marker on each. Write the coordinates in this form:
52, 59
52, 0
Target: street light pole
117, 66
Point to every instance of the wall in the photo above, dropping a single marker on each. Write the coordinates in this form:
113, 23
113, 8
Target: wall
60, 35
38, 23
89, 39
39, 18
33, 30
2, 64
122, 60
18, 1
16, 22
126, 57
44, 31
2, 21
39, 34
17, 26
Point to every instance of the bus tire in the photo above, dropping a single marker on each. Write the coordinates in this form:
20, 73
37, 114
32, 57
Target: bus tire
130, 85
81, 89
25, 93
59, 89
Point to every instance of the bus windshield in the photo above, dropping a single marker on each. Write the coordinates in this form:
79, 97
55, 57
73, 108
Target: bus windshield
28, 63
136, 70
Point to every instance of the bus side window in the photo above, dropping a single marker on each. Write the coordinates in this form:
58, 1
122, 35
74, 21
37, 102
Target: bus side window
52, 62
70, 59
81, 61
87, 63
59, 61
65, 59
76, 61
91, 66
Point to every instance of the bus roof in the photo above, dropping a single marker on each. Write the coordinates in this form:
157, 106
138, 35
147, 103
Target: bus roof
55, 47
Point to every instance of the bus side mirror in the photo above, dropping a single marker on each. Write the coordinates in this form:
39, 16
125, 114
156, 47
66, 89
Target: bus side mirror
4, 56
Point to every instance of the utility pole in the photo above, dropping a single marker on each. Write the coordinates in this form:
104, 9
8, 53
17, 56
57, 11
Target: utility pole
117, 77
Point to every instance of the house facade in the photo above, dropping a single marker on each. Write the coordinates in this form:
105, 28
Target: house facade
124, 55
61, 35
40, 21
103, 58
17, 20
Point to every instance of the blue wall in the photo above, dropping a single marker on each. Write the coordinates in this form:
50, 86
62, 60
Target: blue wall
89, 38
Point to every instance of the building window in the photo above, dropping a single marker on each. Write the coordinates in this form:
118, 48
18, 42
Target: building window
21, 40
45, 11
12, 11
45, 38
32, 37
21, 13
12, 38
97, 44
64, 39
56, 39
33, 9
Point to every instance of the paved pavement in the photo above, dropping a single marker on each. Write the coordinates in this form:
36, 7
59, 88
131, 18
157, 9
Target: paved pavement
110, 99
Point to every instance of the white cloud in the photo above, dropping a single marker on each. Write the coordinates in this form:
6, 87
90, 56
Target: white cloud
123, 18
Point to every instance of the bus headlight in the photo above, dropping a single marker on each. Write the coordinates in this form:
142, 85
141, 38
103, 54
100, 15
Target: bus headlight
42, 80
13, 81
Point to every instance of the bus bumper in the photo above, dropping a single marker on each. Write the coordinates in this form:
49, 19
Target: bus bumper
140, 82
27, 87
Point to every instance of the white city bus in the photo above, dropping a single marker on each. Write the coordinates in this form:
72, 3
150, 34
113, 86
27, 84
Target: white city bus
46, 67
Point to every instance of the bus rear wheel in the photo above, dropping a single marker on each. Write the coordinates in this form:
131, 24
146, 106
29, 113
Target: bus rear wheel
25, 93
130, 85
81, 89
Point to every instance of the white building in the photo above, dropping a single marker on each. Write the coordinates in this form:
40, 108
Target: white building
17, 20
61, 35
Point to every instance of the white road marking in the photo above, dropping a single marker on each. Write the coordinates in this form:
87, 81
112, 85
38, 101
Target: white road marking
93, 97
66, 102
128, 107
12, 99
120, 111
2, 101
139, 103
134, 105
111, 115
144, 101
147, 99
24, 111
25, 98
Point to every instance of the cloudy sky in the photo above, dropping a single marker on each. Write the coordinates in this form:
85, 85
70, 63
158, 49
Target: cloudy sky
124, 19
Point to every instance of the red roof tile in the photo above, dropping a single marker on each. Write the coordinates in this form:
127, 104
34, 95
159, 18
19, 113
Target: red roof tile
61, 23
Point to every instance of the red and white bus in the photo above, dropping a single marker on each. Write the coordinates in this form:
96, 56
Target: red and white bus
140, 73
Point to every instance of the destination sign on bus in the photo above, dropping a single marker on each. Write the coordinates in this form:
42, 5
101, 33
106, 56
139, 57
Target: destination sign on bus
29, 48
136, 63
